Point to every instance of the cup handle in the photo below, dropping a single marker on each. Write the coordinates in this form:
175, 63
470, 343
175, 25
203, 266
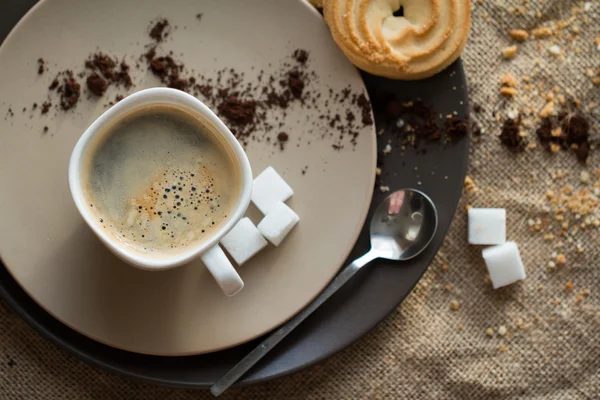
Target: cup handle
221, 269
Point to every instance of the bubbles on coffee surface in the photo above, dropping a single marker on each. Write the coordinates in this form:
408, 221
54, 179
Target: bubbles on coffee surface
177, 200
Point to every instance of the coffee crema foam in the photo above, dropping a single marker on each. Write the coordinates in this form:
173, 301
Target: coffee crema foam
159, 179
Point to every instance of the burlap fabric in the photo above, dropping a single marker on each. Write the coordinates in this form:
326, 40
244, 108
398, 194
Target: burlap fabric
425, 349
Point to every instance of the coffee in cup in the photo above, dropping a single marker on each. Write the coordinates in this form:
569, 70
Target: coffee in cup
159, 179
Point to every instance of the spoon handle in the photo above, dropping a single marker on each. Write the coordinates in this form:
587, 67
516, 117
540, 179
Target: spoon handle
269, 343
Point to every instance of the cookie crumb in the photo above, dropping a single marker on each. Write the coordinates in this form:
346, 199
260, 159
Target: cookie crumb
508, 91
518, 34
502, 330
547, 110
470, 186
508, 80
509, 52
542, 32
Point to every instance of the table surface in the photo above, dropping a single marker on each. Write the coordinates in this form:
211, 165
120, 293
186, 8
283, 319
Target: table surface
424, 349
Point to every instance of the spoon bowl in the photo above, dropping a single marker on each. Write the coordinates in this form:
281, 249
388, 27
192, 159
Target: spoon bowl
403, 225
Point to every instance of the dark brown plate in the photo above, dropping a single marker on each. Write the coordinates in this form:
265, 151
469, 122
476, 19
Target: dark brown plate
354, 310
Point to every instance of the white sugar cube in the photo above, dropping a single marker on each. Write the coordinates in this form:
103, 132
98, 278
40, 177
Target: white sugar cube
487, 225
278, 223
504, 264
269, 189
243, 241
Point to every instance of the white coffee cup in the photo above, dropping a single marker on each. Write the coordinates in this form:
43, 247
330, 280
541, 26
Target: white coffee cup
208, 250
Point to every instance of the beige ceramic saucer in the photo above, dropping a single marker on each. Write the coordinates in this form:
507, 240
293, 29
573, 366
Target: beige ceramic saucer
55, 257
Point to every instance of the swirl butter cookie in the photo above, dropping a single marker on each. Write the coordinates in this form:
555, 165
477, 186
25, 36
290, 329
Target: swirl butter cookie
400, 39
